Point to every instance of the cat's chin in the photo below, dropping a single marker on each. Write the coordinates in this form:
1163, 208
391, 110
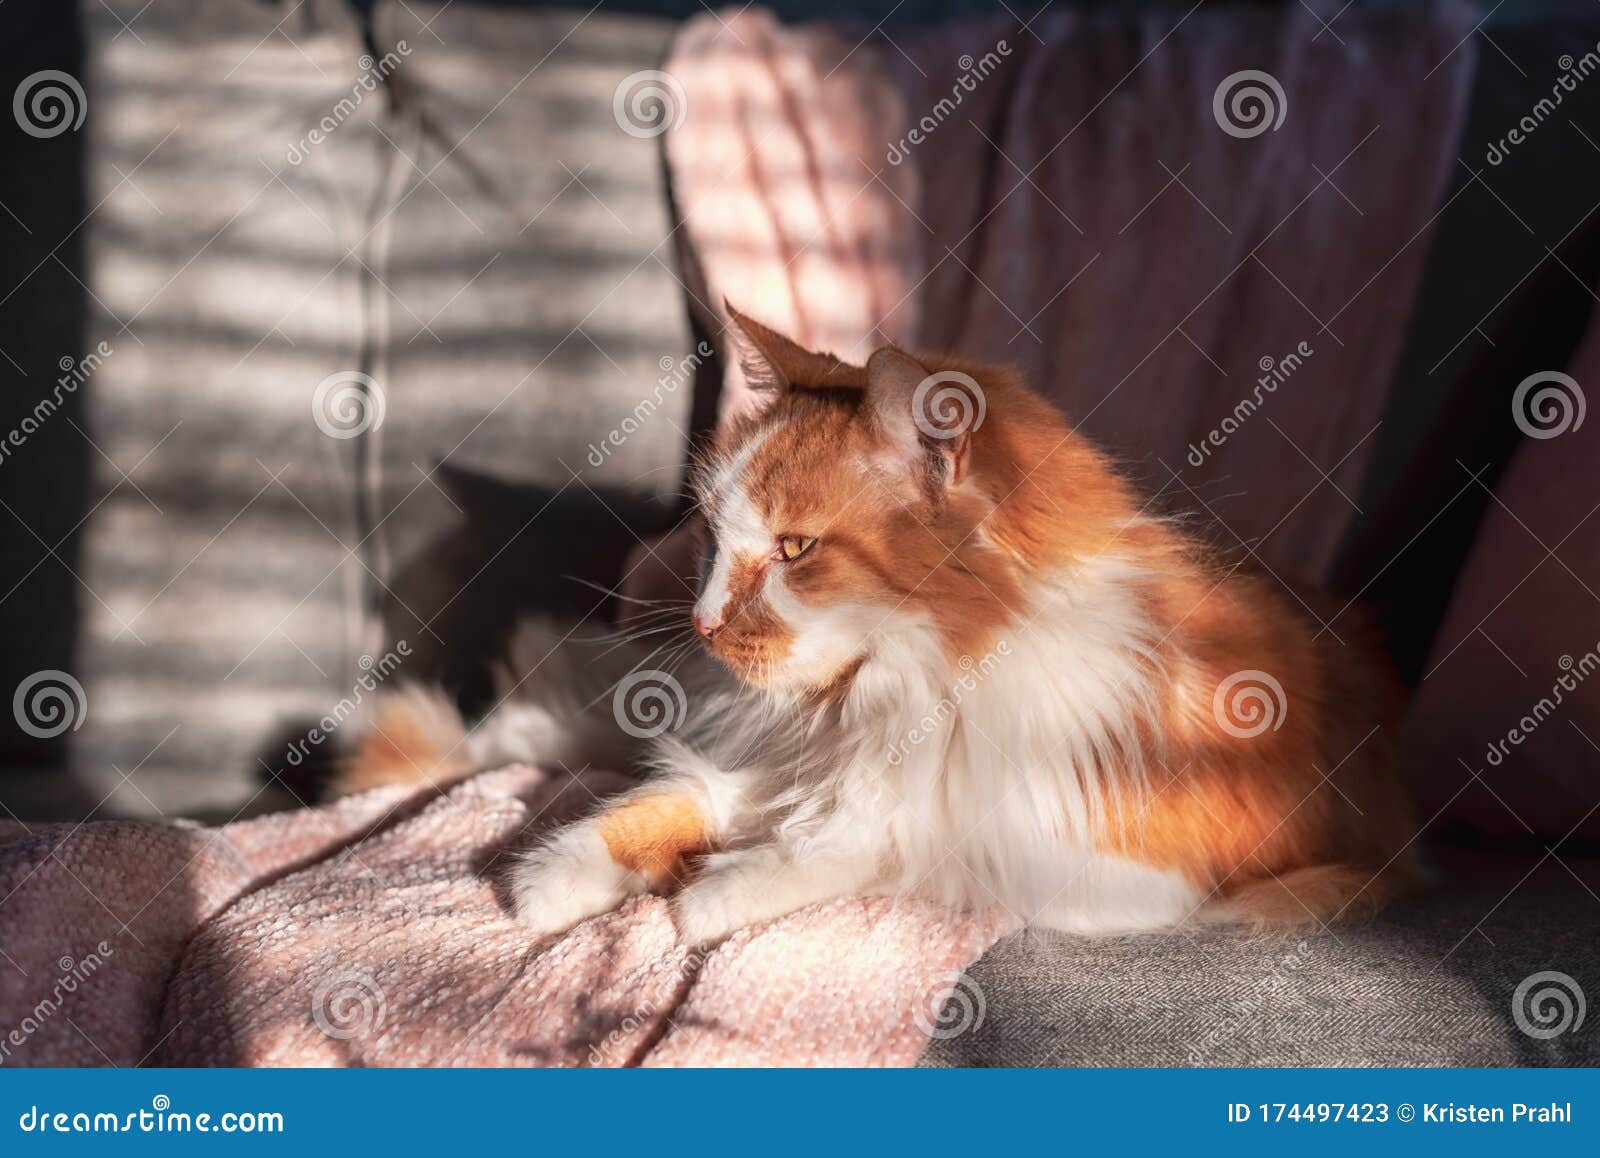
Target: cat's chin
784, 683
759, 677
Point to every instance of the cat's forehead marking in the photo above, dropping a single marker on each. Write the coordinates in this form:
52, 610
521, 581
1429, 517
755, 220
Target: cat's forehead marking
730, 468
738, 523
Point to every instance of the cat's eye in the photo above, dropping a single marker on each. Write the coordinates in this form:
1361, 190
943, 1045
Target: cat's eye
791, 547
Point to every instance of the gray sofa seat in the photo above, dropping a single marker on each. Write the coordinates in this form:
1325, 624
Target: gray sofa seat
1432, 981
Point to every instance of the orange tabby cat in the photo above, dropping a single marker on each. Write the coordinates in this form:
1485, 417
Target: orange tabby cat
958, 660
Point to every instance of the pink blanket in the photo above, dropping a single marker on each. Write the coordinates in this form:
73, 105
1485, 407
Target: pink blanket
373, 932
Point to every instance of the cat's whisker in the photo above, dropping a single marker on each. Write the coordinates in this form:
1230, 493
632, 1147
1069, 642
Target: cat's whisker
637, 636
640, 626
616, 594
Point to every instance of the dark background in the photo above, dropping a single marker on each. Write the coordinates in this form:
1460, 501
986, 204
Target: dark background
212, 569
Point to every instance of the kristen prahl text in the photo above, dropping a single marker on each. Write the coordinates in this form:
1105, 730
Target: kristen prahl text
1427, 1113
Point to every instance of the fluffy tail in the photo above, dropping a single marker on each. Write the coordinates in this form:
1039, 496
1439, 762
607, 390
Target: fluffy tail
555, 706
1318, 895
415, 735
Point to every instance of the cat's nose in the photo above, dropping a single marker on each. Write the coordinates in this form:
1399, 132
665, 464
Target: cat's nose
707, 624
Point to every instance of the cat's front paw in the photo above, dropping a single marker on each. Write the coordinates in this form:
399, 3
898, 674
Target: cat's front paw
723, 900
704, 916
567, 881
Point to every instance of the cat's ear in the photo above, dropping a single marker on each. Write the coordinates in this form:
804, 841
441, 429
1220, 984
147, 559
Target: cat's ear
926, 417
771, 361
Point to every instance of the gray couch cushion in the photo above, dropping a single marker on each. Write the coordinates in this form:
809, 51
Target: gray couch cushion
1430, 982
